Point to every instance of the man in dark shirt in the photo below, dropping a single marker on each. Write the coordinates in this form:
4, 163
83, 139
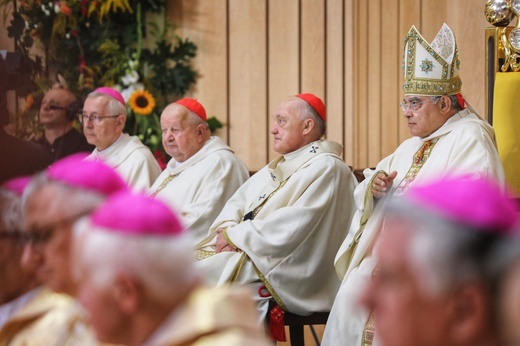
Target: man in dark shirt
58, 111
17, 157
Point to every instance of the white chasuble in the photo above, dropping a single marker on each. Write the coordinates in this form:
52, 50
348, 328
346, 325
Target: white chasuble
287, 221
198, 188
132, 160
464, 144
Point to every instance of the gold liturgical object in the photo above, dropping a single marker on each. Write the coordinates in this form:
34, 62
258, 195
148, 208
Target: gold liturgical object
503, 83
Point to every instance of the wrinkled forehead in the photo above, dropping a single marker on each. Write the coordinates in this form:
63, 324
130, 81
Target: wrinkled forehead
43, 198
409, 98
175, 112
289, 106
58, 96
96, 103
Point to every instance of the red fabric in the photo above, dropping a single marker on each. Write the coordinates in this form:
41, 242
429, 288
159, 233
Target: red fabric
315, 103
276, 324
461, 100
194, 106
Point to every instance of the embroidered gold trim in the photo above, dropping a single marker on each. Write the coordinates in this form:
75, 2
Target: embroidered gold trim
419, 159
201, 254
421, 86
238, 268
259, 207
165, 182
368, 332
270, 288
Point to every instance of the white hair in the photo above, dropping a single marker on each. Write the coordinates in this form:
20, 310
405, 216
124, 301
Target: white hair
114, 107
163, 265
11, 215
195, 120
503, 259
443, 252
306, 111
74, 199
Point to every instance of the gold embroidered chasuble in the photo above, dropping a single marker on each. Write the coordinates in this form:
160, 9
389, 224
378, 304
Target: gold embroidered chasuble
301, 203
200, 321
48, 319
464, 144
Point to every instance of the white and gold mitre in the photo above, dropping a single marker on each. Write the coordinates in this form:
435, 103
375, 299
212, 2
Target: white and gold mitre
431, 69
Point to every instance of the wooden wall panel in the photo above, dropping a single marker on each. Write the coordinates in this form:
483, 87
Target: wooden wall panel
375, 35
361, 51
283, 55
470, 40
409, 14
334, 74
433, 14
205, 23
391, 57
312, 43
350, 82
248, 112
254, 53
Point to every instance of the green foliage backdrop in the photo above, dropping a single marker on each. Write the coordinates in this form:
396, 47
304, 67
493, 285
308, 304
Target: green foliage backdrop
92, 43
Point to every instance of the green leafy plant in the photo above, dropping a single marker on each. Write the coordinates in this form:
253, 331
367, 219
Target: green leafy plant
100, 42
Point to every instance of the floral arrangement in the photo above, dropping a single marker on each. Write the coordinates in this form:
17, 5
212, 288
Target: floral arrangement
92, 43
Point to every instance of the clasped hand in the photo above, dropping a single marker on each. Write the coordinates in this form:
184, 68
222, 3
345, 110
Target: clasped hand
382, 183
222, 244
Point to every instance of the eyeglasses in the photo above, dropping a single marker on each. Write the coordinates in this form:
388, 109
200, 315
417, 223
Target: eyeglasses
415, 105
38, 236
94, 118
13, 235
56, 108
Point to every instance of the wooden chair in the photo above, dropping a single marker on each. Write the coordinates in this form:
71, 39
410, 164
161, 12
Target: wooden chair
296, 323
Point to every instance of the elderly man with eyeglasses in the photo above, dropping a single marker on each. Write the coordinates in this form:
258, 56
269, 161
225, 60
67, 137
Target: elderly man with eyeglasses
30, 312
67, 190
103, 119
448, 138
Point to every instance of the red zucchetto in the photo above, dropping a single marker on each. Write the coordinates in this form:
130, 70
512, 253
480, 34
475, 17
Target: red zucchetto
315, 103
194, 106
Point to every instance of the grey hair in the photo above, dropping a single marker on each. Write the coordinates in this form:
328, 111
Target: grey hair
504, 257
445, 252
114, 106
73, 199
11, 216
165, 266
455, 105
305, 111
195, 120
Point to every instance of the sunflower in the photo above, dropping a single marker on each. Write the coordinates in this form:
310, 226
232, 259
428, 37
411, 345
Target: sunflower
29, 101
142, 102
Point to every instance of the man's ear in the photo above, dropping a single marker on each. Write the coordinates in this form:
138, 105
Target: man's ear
308, 125
471, 313
445, 104
127, 293
201, 129
121, 122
